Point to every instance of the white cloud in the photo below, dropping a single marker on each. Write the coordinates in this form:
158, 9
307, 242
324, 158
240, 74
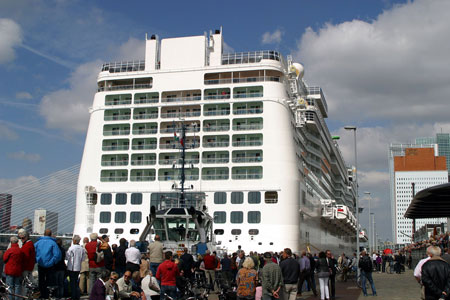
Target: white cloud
272, 38
23, 95
10, 37
7, 134
393, 68
21, 155
67, 109
7, 184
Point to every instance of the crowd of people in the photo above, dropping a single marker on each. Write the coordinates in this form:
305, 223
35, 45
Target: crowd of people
94, 267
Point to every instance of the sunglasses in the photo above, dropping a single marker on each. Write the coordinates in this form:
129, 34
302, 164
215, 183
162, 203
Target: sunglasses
113, 279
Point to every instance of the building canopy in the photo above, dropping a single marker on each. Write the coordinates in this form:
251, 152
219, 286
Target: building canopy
433, 202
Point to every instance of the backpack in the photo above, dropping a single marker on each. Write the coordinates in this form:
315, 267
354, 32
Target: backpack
99, 255
366, 264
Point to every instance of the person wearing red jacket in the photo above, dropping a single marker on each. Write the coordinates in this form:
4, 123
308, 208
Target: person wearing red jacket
29, 254
13, 259
95, 268
167, 273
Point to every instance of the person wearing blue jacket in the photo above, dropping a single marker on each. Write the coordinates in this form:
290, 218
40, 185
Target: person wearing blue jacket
47, 255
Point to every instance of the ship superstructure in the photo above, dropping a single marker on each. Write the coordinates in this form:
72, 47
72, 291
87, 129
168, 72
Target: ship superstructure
257, 145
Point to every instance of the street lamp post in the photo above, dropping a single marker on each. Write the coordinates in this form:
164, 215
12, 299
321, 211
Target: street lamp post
353, 128
370, 223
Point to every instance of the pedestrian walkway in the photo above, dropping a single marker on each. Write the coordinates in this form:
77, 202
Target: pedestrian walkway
389, 287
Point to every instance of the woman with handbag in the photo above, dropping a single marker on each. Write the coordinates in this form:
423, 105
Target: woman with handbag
323, 272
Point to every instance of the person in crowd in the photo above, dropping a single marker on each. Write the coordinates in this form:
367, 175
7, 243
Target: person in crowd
323, 273
210, 265
187, 263
332, 262
96, 265
107, 252
379, 262
436, 275
240, 259
227, 275
112, 289
119, 257
418, 272
126, 287
305, 273
234, 266
150, 286
167, 273
246, 280
398, 262
290, 269
409, 261
98, 291
445, 256
156, 253
272, 279
144, 266
366, 266
136, 286
133, 257
2, 264
75, 257
60, 270
343, 265
29, 254
84, 271
47, 255
13, 259
312, 264
181, 283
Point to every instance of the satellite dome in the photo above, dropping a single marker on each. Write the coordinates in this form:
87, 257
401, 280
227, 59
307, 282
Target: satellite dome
299, 70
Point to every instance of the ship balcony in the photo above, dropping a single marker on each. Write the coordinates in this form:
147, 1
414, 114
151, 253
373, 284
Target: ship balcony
248, 92
214, 141
113, 175
145, 128
125, 84
216, 110
247, 124
143, 144
171, 143
143, 175
124, 66
216, 125
115, 145
215, 157
117, 114
243, 173
247, 109
243, 77
175, 127
175, 174
191, 158
146, 98
217, 94
181, 112
143, 159
247, 140
120, 99
115, 160
181, 96
145, 113
252, 156
250, 57
215, 174
117, 129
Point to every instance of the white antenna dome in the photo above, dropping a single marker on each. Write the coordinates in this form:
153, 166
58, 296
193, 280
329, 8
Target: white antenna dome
299, 70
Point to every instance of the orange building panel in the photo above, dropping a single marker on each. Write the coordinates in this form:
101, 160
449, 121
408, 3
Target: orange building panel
419, 159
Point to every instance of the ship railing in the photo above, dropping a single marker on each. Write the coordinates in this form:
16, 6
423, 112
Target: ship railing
178, 129
247, 95
216, 112
113, 178
247, 159
177, 177
145, 101
116, 132
246, 176
177, 160
243, 80
117, 102
215, 160
124, 66
216, 97
247, 111
143, 178
145, 131
180, 114
115, 148
146, 162
177, 203
145, 116
247, 143
248, 127
216, 128
215, 144
118, 117
114, 163
181, 99
143, 147
215, 177
179, 147
125, 87
250, 57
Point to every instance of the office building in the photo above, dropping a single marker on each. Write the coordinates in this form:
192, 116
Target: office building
5, 212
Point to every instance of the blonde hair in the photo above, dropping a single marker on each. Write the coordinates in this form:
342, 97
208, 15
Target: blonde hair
248, 263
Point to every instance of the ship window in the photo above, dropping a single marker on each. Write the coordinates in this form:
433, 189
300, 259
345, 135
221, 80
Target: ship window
136, 198
237, 217
118, 231
253, 231
237, 197
120, 217
105, 217
220, 217
220, 198
134, 231
254, 217
271, 197
103, 230
106, 199
121, 199
236, 231
219, 232
135, 217
254, 197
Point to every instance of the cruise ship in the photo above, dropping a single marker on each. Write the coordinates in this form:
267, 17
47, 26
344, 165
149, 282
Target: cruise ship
259, 156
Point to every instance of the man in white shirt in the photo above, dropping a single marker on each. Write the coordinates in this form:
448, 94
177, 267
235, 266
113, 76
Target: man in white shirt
133, 257
418, 272
75, 256
125, 287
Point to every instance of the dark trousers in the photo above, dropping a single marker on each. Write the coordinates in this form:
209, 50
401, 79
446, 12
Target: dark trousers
46, 278
305, 275
332, 286
171, 291
133, 267
74, 288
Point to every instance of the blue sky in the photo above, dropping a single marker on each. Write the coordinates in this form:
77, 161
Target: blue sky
383, 65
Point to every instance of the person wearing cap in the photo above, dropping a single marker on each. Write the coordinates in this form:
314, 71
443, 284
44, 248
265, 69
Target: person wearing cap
272, 279
106, 249
29, 254
95, 268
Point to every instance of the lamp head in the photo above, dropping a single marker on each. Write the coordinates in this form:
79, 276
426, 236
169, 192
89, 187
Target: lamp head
350, 127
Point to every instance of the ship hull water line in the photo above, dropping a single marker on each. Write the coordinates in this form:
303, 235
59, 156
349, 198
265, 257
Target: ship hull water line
257, 148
